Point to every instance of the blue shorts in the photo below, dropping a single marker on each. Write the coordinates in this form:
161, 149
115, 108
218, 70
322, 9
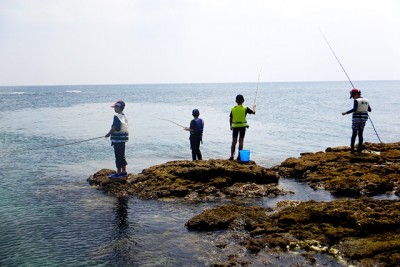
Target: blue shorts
358, 124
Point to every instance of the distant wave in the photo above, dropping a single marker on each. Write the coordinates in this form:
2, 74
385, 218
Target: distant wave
12, 93
73, 91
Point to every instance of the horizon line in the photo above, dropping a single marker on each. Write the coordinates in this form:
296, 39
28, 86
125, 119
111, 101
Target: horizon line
172, 83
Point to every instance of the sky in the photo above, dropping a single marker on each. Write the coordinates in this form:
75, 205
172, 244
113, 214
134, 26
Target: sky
78, 42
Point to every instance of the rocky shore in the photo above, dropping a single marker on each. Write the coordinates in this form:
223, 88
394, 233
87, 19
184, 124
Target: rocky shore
193, 180
357, 230
373, 172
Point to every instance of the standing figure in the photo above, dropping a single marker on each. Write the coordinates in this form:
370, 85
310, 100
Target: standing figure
360, 111
119, 134
196, 134
238, 124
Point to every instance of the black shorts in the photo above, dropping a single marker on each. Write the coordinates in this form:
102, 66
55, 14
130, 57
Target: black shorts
236, 131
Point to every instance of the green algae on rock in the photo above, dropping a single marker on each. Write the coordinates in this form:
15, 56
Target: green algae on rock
373, 172
194, 180
364, 232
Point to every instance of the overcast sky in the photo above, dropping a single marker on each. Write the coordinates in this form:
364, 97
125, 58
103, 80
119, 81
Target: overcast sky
49, 42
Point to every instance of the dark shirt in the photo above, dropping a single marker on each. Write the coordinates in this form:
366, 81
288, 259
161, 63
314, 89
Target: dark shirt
116, 123
196, 127
248, 111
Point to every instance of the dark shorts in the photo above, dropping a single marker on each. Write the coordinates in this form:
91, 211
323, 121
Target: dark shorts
119, 151
237, 131
357, 124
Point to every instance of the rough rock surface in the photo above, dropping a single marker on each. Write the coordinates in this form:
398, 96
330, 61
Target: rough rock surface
374, 171
363, 232
193, 180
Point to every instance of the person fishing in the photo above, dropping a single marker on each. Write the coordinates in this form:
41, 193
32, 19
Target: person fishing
119, 135
360, 111
196, 134
238, 124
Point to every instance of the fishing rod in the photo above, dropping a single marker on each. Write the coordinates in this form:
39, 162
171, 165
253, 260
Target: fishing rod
326, 40
67, 144
374, 128
258, 80
172, 122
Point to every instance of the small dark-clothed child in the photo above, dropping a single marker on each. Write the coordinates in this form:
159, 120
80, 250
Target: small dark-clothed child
119, 135
196, 134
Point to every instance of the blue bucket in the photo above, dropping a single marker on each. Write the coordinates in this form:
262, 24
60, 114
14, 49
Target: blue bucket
244, 155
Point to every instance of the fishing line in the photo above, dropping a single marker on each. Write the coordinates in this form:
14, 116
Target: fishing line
258, 80
326, 40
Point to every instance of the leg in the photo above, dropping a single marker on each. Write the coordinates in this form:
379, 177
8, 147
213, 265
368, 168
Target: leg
199, 156
233, 146
235, 134
193, 148
120, 160
353, 140
241, 140
360, 140
198, 152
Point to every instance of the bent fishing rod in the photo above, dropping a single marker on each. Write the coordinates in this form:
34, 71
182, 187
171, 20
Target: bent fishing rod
326, 40
172, 122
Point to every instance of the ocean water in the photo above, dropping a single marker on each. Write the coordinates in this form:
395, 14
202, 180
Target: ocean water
50, 216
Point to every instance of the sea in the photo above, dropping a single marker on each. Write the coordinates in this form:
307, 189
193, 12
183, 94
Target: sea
52, 140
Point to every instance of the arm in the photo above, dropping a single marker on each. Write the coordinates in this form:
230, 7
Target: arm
355, 105
113, 129
251, 111
116, 126
230, 120
191, 127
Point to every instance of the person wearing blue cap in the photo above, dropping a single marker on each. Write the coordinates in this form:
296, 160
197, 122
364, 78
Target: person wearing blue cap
119, 135
360, 111
196, 134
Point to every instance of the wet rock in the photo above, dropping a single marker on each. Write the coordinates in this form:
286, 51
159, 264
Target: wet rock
374, 171
194, 180
363, 232
117, 187
228, 217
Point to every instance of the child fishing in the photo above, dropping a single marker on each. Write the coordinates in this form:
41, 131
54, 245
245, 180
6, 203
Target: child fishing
119, 135
238, 124
196, 134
